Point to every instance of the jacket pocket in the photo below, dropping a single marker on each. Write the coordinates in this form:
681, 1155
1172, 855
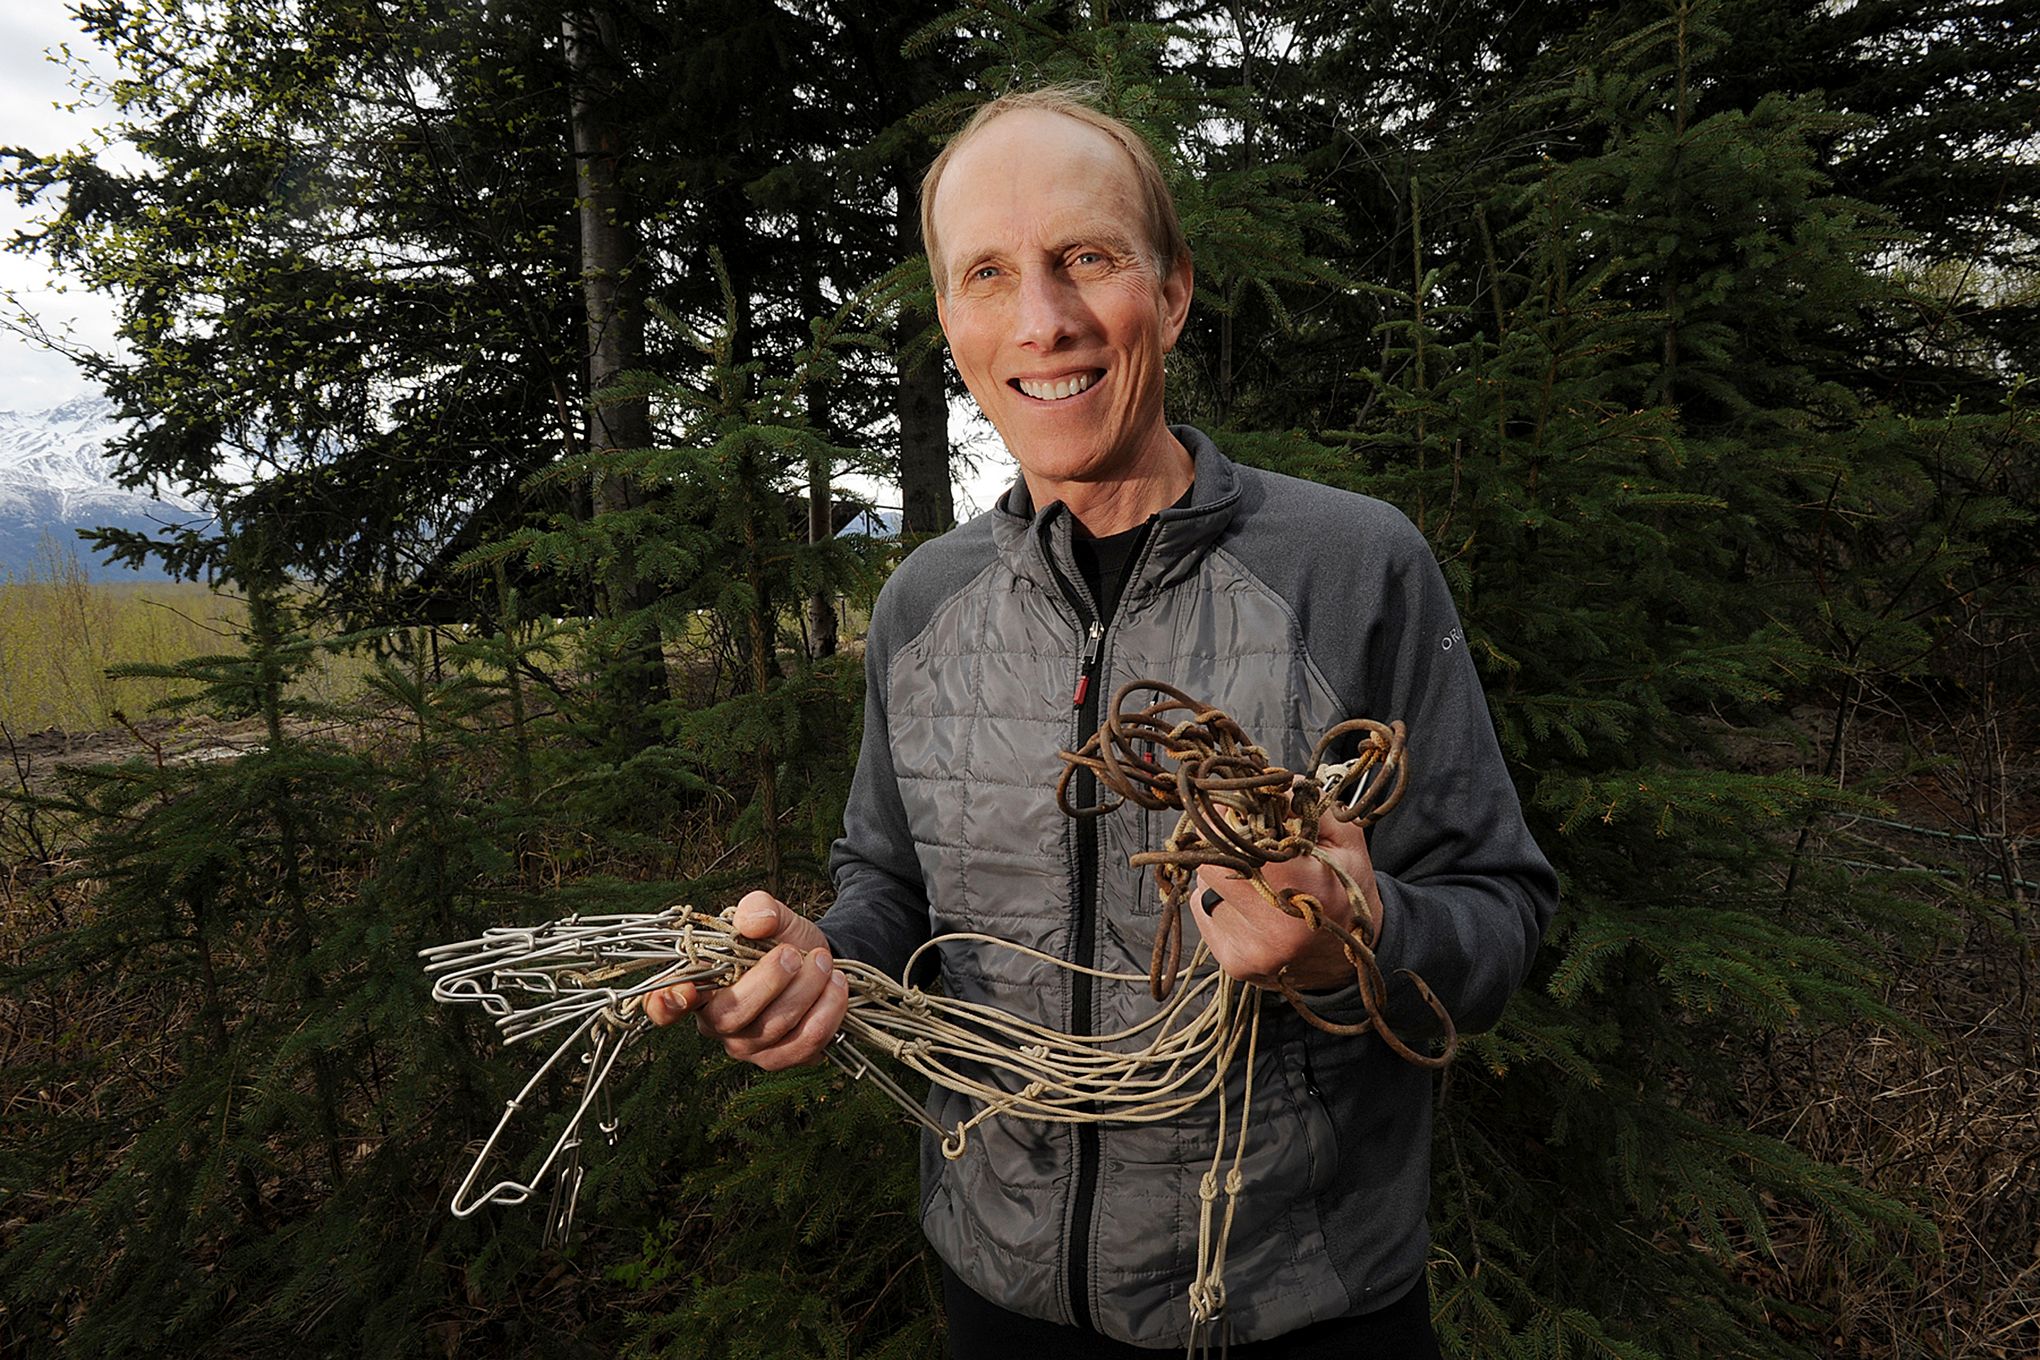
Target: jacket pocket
1319, 1136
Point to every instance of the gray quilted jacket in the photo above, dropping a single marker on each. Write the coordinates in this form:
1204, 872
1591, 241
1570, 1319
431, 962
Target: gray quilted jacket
1292, 607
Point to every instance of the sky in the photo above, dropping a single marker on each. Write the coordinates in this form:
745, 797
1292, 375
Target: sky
31, 86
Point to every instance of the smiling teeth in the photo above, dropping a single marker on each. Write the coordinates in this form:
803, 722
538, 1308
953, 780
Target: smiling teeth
1056, 391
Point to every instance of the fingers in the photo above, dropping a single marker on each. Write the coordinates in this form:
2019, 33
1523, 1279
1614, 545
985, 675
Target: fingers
813, 1033
759, 916
1249, 938
1215, 885
756, 1004
781, 1013
1345, 844
1256, 941
665, 1006
1345, 835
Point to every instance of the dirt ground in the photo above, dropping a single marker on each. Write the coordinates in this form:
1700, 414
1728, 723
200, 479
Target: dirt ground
30, 761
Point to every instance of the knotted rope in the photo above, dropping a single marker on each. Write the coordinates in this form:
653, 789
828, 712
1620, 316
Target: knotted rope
1241, 813
590, 975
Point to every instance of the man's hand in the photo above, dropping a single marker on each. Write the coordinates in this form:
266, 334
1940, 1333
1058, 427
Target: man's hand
786, 1007
1254, 940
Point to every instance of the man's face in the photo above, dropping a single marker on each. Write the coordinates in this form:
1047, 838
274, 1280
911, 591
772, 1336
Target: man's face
1054, 314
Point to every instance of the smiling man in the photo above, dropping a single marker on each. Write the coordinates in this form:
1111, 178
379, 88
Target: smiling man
1133, 548
1059, 301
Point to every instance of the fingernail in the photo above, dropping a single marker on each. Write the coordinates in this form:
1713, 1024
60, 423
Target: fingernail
821, 958
841, 981
789, 959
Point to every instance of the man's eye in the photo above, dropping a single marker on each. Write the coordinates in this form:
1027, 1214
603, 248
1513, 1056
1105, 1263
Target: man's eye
985, 271
1090, 257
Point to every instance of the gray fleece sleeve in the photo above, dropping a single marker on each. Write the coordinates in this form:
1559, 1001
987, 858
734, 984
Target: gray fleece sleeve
1466, 893
880, 915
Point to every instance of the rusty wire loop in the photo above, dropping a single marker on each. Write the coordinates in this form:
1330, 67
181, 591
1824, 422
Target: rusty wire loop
1241, 813
585, 978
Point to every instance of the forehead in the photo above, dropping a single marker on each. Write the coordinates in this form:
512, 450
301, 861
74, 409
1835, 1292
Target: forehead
1033, 177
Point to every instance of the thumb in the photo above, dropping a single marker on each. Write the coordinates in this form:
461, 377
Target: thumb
761, 916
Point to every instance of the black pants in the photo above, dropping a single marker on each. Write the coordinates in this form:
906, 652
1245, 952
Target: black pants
979, 1330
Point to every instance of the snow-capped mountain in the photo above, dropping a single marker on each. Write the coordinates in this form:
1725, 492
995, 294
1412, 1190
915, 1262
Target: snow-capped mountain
55, 478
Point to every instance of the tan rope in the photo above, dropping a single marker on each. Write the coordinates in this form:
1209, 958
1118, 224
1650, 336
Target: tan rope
1236, 811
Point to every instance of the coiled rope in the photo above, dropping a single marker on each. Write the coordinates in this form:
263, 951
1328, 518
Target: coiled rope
589, 975
1241, 813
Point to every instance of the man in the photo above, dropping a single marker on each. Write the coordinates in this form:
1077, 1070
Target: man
1131, 548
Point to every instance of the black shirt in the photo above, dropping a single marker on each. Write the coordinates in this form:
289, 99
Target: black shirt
1103, 562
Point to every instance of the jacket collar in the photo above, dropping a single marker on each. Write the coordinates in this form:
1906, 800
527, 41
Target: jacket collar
1028, 539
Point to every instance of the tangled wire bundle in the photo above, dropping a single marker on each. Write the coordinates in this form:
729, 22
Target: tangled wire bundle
590, 975
1240, 813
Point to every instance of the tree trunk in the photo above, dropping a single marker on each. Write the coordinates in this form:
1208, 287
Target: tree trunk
820, 527
616, 340
923, 409
821, 524
922, 406
759, 633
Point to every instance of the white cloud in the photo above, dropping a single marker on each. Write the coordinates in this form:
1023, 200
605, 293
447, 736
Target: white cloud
34, 89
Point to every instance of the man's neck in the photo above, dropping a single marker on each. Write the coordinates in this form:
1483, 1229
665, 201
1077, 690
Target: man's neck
1164, 470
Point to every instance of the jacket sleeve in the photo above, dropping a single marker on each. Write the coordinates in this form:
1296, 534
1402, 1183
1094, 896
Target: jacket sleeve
1466, 893
880, 915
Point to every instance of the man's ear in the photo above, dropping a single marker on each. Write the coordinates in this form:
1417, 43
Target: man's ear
1177, 290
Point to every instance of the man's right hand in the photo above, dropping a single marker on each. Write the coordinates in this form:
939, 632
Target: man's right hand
786, 1007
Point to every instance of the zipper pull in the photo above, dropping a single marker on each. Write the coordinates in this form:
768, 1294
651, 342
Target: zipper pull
1090, 659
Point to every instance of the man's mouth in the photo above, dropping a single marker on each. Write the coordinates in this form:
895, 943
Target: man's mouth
1059, 389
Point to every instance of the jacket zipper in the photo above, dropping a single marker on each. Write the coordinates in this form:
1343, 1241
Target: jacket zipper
1085, 698
1085, 701
1086, 671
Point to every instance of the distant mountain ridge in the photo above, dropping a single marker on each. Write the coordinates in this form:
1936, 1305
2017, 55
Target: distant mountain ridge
55, 479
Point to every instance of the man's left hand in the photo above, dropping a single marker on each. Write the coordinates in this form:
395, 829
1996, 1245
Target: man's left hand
1253, 939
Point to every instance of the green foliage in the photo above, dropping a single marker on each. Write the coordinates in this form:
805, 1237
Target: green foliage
810, 1202
1671, 511
1691, 334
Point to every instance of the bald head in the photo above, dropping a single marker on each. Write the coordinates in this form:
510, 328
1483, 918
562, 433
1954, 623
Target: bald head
1162, 235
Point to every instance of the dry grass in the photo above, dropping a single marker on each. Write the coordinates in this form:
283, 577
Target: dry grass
1949, 1122
60, 631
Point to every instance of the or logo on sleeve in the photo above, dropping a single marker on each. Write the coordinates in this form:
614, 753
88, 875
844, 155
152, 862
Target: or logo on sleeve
1455, 638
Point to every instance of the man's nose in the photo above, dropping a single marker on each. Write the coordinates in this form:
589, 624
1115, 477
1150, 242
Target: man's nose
1048, 310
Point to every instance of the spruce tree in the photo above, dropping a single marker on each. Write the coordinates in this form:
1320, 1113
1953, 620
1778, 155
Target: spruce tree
1689, 333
